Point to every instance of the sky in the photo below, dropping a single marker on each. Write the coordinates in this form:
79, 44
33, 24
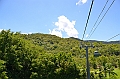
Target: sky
63, 18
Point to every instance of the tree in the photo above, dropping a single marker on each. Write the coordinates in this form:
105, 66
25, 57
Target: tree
58, 66
108, 68
3, 72
17, 54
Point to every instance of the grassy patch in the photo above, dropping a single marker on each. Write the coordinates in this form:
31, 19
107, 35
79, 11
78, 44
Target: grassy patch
118, 72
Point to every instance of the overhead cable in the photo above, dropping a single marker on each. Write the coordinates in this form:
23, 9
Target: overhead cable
88, 19
113, 37
98, 17
101, 19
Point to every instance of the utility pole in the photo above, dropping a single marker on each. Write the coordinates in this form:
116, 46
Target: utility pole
87, 63
87, 60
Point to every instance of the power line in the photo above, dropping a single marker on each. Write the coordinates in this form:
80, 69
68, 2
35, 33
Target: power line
88, 19
98, 17
113, 37
101, 19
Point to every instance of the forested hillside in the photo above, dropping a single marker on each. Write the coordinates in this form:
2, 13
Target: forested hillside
44, 56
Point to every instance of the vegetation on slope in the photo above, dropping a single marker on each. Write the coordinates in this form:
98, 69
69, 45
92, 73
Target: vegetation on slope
43, 56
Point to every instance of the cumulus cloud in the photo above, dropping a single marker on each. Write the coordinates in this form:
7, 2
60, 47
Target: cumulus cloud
26, 33
55, 32
87, 35
1, 30
64, 25
81, 1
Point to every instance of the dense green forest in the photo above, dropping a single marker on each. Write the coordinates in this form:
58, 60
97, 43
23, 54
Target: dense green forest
44, 56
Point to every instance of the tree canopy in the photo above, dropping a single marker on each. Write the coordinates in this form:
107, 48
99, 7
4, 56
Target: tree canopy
44, 56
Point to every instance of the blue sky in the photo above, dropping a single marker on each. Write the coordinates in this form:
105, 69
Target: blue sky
64, 18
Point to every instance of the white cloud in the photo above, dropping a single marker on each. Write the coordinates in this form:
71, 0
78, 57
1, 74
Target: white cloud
1, 30
55, 32
24, 33
87, 35
64, 25
27, 33
81, 1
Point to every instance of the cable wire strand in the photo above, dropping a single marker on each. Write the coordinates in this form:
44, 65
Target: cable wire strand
98, 17
101, 19
113, 37
88, 19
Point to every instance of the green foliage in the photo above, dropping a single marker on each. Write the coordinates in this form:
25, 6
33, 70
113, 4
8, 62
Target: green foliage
16, 53
50, 66
43, 56
3, 72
